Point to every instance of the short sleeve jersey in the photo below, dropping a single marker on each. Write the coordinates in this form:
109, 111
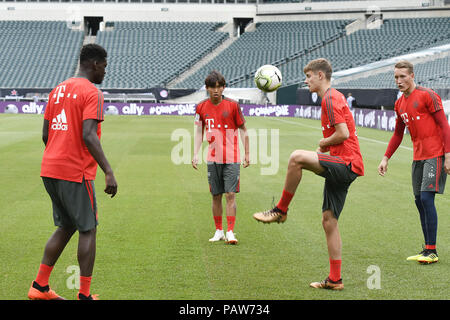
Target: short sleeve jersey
66, 156
335, 110
416, 111
221, 123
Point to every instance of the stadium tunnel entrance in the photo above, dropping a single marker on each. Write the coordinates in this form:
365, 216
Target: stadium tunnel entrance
240, 24
92, 25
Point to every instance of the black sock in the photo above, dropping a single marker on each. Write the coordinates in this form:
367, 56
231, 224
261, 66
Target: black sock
83, 297
38, 287
431, 218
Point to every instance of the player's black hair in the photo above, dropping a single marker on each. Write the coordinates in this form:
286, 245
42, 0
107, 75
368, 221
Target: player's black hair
92, 52
213, 78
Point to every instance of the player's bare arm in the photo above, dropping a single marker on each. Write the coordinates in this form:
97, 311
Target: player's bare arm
94, 146
245, 141
340, 135
382, 167
198, 139
447, 163
45, 131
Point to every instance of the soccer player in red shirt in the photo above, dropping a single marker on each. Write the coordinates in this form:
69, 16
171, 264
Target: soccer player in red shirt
71, 134
222, 121
340, 167
420, 110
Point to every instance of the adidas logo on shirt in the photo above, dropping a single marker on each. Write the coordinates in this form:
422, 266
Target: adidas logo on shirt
60, 122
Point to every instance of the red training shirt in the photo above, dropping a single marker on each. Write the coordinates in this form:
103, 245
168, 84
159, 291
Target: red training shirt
66, 156
335, 110
416, 111
221, 123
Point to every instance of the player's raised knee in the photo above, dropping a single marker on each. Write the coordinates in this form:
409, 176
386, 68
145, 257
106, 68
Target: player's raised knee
298, 157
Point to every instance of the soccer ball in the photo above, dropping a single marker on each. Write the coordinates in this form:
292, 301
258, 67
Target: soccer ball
268, 78
112, 110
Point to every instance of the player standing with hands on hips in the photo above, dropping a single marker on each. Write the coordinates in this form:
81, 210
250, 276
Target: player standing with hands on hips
420, 110
221, 118
71, 134
340, 168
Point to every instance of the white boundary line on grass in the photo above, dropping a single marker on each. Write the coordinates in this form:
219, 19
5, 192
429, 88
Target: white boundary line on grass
359, 137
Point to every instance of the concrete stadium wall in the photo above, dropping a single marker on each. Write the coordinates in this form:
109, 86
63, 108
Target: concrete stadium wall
215, 12
125, 12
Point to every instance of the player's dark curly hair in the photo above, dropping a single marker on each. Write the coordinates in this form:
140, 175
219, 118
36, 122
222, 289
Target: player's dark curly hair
92, 52
213, 78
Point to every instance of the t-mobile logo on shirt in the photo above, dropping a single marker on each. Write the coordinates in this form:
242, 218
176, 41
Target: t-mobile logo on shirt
209, 124
59, 93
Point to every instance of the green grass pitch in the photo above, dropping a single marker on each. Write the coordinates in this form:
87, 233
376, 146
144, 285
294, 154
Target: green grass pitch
153, 236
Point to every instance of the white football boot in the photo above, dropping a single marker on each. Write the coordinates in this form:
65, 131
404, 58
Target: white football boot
219, 235
230, 238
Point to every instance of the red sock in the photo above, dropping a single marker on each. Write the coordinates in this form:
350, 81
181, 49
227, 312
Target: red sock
85, 285
430, 247
335, 270
218, 222
285, 200
43, 274
231, 220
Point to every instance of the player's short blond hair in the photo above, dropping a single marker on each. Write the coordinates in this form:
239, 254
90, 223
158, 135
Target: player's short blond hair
404, 64
320, 64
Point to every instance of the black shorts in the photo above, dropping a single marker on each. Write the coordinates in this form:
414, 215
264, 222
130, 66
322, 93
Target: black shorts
74, 204
223, 177
338, 177
428, 175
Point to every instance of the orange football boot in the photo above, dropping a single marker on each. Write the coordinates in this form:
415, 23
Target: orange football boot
35, 294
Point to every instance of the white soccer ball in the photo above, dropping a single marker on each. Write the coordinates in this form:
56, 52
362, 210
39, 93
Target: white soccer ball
111, 110
268, 78
11, 108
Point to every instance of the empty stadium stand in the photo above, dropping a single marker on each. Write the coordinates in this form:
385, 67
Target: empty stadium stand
271, 43
150, 54
40, 54
395, 37
37, 54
